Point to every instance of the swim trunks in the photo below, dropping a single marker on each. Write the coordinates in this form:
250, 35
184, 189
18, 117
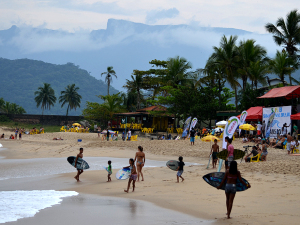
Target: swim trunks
214, 155
230, 189
288, 146
133, 176
179, 173
192, 139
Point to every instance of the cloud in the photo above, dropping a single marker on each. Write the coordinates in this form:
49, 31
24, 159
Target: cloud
155, 15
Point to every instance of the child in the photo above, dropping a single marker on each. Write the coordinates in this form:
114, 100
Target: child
293, 144
109, 171
180, 169
214, 151
133, 175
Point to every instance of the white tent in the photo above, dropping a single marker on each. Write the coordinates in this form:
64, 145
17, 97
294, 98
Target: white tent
221, 123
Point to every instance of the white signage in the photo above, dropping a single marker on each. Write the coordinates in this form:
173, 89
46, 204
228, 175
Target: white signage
274, 118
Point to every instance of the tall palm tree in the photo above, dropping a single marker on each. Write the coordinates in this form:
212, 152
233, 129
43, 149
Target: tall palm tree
287, 33
177, 71
6, 107
70, 96
281, 65
108, 78
227, 57
249, 52
257, 72
135, 84
45, 97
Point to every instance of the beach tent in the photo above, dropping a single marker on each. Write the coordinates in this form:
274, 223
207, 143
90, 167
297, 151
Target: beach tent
254, 113
295, 116
289, 92
221, 123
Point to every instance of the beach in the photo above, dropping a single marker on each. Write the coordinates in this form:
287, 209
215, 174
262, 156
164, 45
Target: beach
272, 199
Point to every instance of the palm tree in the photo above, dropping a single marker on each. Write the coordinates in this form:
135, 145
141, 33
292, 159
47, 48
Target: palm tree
249, 52
6, 108
257, 72
135, 84
45, 96
287, 33
227, 58
108, 78
112, 104
177, 71
70, 96
281, 66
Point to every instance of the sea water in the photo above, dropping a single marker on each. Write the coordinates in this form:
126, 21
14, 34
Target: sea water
15, 205
19, 168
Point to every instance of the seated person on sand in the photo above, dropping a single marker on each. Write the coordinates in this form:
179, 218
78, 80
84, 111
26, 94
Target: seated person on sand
254, 152
245, 139
12, 137
257, 139
250, 138
162, 137
41, 129
58, 138
86, 129
2, 136
273, 142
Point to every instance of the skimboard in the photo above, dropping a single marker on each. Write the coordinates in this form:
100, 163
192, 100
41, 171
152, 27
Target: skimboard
1, 145
215, 179
172, 164
123, 174
106, 168
80, 165
208, 161
295, 154
237, 154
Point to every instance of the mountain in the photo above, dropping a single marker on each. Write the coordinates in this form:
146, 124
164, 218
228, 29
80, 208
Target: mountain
123, 44
21, 78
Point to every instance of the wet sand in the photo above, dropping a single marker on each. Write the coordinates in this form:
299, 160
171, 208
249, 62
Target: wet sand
273, 198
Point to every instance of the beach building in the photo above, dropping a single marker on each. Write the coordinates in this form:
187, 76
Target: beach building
154, 117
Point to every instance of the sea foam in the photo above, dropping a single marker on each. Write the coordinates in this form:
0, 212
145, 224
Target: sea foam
15, 205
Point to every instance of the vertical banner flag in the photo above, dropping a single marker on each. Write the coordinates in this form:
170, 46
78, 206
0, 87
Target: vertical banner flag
186, 126
229, 130
193, 123
243, 119
274, 118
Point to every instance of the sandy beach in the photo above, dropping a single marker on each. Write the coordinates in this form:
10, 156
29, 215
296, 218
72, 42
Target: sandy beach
272, 199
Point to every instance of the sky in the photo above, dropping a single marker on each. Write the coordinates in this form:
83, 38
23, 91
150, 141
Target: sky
74, 15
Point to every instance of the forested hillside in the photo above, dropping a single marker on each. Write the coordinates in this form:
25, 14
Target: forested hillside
20, 78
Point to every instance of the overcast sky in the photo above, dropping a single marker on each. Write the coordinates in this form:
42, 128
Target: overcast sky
73, 15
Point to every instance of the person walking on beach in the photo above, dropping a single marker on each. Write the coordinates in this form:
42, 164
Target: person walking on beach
99, 131
129, 135
231, 176
140, 162
79, 171
180, 169
214, 151
20, 134
109, 171
107, 135
264, 149
192, 136
16, 133
133, 175
230, 150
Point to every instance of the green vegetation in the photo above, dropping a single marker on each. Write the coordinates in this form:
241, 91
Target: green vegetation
45, 97
108, 78
70, 96
22, 78
10, 108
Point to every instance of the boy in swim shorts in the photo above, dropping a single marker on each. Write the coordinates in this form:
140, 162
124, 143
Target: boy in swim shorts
109, 171
214, 151
180, 169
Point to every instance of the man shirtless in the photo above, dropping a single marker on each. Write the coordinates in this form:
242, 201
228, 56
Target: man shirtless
140, 162
79, 171
214, 151
288, 144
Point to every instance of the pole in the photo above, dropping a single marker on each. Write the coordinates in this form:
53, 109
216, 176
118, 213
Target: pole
125, 127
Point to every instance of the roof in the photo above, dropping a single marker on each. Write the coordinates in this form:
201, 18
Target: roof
153, 108
288, 92
254, 113
295, 116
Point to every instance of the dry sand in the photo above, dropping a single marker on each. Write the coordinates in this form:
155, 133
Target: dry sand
273, 198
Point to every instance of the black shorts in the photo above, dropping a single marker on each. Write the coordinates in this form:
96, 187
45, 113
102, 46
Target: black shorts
226, 162
248, 159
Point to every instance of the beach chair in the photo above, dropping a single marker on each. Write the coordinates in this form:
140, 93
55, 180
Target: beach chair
150, 130
62, 129
42, 132
134, 138
255, 158
295, 150
32, 132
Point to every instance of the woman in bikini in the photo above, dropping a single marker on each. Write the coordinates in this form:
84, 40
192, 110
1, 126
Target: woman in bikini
133, 175
140, 162
231, 176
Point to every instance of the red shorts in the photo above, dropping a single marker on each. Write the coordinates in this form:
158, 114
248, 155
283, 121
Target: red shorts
258, 132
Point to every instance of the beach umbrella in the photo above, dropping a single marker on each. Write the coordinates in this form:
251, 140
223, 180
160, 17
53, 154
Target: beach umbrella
210, 138
105, 132
76, 124
246, 127
221, 123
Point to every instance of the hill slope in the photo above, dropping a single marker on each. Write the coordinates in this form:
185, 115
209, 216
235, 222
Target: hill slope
21, 78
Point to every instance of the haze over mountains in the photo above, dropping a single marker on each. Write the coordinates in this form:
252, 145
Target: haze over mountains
123, 44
